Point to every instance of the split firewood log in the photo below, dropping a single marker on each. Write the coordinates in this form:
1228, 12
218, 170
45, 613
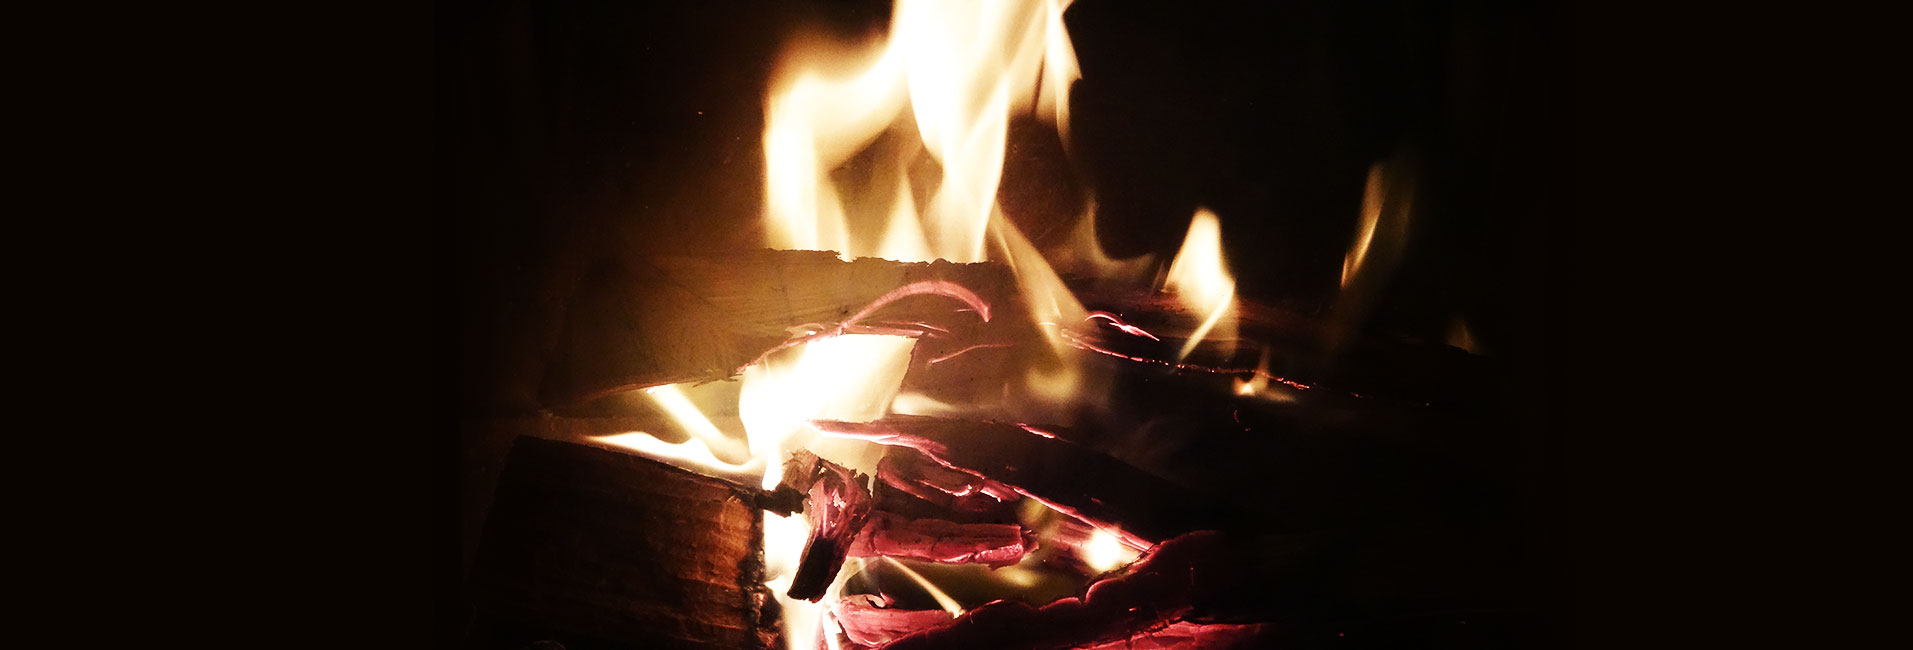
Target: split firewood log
639, 323
590, 547
1288, 346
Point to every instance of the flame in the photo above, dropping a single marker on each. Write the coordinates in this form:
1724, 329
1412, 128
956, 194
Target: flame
943, 600
1081, 253
693, 453
1257, 382
851, 378
956, 71
928, 106
1461, 337
1365, 232
693, 421
1381, 238
1105, 551
1201, 280
960, 69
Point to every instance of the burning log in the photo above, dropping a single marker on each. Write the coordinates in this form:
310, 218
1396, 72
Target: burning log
942, 541
1151, 326
681, 319
1076, 480
1192, 576
594, 548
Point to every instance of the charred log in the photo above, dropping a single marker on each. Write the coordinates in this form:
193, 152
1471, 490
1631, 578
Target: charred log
597, 549
1309, 351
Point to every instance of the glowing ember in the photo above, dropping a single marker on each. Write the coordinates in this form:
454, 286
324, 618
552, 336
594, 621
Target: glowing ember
1125, 327
1104, 552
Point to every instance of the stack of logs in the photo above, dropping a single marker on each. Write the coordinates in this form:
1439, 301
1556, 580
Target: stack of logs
909, 513
592, 548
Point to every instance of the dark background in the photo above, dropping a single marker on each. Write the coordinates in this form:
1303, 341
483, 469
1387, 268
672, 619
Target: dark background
569, 132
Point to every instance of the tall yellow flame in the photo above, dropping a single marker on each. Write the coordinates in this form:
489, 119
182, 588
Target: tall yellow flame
1201, 280
961, 69
1381, 238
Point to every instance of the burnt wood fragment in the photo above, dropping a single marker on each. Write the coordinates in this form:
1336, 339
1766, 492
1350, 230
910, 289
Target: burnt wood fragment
837, 504
868, 622
942, 541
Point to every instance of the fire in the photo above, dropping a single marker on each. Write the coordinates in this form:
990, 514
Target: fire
691, 452
850, 378
1105, 551
1365, 233
943, 600
694, 422
1202, 282
956, 70
1381, 236
938, 92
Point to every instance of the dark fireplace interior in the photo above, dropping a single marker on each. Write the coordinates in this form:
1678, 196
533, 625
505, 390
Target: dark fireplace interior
576, 137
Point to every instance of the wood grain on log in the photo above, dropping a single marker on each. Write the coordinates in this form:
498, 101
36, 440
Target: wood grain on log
598, 549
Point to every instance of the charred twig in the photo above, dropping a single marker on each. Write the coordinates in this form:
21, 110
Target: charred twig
942, 541
838, 505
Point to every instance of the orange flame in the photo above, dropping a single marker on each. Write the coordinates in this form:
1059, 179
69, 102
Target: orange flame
960, 68
1202, 282
942, 85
